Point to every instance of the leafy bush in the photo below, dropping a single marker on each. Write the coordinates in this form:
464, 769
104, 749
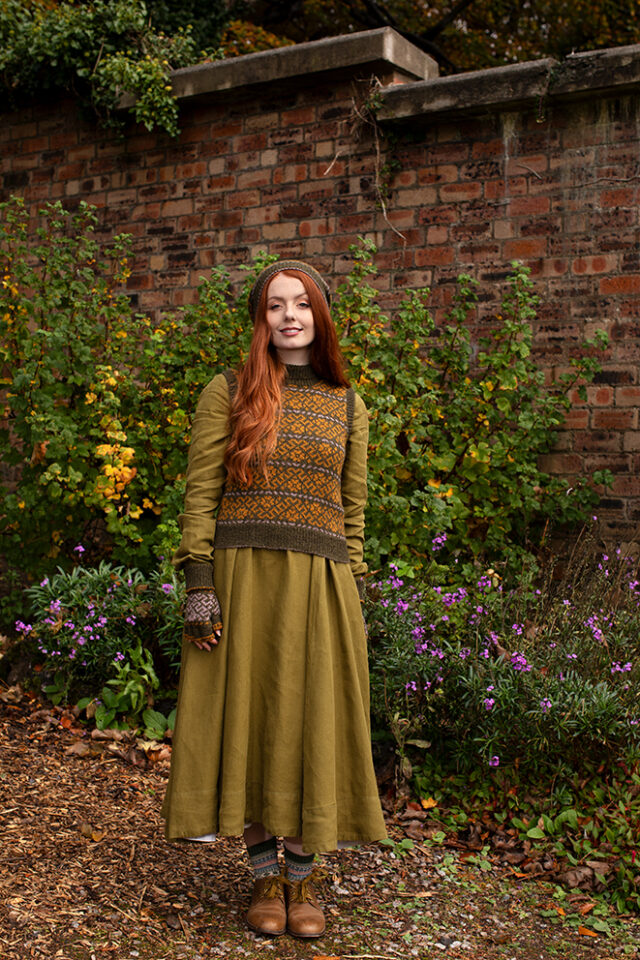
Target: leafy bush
97, 51
455, 441
96, 400
98, 626
538, 678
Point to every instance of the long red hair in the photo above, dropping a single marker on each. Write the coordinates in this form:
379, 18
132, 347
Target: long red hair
255, 410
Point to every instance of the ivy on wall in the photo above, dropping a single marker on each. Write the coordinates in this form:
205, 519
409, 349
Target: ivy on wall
96, 52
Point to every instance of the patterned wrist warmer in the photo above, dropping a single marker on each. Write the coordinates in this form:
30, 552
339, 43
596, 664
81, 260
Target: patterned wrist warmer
202, 611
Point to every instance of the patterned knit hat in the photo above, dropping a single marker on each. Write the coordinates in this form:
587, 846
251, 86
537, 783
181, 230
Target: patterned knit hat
272, 269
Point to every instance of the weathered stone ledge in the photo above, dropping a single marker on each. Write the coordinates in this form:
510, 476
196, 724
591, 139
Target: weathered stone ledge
373, 50
616, 70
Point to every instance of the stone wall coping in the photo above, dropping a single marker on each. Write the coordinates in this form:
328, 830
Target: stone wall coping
616, 69
369, 48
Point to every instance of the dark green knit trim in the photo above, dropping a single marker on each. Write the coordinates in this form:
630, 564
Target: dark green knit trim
198, 575
232, 382
265, 845
297, 857
279, 536
351, 405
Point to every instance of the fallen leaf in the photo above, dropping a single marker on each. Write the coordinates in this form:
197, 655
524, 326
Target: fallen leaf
585, 932
428, 803
560, 912
98, 835
586, 908
86, 829
78, 749
108, 734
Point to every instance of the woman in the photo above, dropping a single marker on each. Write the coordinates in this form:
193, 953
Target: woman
272, 737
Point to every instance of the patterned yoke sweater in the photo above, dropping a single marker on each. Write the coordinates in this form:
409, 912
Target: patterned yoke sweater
314, 496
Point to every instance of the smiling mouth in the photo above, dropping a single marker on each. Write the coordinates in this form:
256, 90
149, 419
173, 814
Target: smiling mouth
291, 330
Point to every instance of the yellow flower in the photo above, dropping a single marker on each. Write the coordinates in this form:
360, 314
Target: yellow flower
90, 397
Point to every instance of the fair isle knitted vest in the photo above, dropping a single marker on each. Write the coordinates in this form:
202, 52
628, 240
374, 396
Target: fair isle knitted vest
299, 506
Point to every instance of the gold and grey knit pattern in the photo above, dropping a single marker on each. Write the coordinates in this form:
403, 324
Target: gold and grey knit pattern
299, 505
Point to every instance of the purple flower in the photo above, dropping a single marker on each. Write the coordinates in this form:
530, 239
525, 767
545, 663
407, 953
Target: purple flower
167, 587
131, 620
23, 627
464, 653
519, 662
118, 657
438, 542
79, 549
494, 761
45, 582
411, 685
488, 703
545, 704
485, 653
517, 629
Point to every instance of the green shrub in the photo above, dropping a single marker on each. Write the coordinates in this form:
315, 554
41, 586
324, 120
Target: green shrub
97, 626
96, 400
96, 51
540, 679
455, 441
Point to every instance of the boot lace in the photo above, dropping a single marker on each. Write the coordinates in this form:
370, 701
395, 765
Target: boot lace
300, 892
272, 887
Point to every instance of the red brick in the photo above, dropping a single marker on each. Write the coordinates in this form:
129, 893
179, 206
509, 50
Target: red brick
460, 191
620, 197
434, 256
625, 284
298, 116
177, 208
628, 396
528, 206
615, 419
525, 249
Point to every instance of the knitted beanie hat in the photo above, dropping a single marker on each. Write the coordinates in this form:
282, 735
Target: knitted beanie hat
265, 276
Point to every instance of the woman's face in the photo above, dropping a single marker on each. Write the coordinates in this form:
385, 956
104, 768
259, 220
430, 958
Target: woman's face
290, 319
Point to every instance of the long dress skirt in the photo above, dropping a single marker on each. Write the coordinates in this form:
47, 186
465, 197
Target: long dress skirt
273, 724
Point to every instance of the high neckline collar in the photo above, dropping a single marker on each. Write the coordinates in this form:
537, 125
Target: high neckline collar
301, 373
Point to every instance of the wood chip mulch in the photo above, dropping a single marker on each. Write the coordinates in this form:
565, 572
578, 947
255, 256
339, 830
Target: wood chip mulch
85, 873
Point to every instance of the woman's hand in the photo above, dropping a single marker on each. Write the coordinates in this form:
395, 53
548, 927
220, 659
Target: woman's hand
202, 621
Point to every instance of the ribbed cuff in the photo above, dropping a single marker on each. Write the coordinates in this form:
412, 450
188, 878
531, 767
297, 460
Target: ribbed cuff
198, 576
362, 588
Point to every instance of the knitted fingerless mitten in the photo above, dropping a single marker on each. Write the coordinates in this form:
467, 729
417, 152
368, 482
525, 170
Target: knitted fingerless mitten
202, 611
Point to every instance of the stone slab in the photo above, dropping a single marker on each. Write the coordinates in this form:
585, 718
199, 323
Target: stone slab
368, 49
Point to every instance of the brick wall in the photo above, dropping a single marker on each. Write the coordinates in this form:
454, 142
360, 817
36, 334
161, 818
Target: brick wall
285, 167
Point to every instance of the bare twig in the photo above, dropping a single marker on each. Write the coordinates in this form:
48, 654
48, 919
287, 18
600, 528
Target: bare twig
365, 119
530, 169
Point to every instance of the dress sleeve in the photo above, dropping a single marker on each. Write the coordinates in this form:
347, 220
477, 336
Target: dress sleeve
354, 486
206, 474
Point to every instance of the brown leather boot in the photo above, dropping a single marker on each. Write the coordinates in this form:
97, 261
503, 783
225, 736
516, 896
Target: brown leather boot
304, 914
268, 913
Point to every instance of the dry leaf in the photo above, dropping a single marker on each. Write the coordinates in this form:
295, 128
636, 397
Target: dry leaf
586, 908
428, 803
80, 748
560, 912
98, 835
86, 830
585, 932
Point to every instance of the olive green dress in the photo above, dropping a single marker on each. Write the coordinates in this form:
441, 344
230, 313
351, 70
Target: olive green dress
273, 723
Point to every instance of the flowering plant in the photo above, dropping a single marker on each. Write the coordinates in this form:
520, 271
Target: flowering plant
536, 676
86, 624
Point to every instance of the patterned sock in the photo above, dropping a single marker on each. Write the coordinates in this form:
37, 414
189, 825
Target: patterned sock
264, 858
298, 866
